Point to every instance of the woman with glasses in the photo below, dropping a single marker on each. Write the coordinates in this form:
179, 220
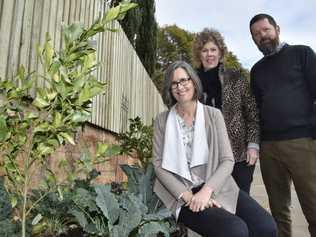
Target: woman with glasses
193, 162
228, 91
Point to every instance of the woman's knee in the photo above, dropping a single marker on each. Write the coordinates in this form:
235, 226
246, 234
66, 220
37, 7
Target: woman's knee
267, 228
238, 228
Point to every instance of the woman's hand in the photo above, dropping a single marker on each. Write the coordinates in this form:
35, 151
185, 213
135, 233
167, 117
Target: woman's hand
186, 197
201, 199
252, 156
213, 203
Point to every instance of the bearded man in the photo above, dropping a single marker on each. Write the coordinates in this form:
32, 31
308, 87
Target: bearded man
284, 85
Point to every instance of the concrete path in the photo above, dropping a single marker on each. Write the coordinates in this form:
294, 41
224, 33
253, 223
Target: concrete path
258, 192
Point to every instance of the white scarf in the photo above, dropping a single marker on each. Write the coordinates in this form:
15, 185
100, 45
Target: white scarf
174, 158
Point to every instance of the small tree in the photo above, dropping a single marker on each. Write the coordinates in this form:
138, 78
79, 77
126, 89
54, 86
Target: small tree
31, 128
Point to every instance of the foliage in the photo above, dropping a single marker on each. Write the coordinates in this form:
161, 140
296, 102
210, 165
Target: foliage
32, 127
137, 141
131, 21
231, 61
146, 43
102, 210
7, 227
174, 44
140, 28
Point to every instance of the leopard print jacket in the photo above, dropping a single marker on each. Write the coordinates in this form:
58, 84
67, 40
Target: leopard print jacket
240, 112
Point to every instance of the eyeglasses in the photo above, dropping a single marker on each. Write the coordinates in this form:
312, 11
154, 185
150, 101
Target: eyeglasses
182, 82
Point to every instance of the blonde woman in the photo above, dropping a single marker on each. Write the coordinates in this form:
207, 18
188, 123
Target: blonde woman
228, 91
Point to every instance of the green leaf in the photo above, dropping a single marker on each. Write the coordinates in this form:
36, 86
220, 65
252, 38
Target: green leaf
85, 199
78, 84
44, 127
53, 142
14, 201
85, 95
111, 14
31, 115
4, 130
51, 95
118, 12
151, 229
101, 148
72, 32
37, 219
80, 116
107, 202
48, 51
85, 158
61, 89
55, 66
107, 151
134, 175
68, 138
161, 215
80, 216
44, 149
124, 8
60, 139
21, 72
130, 214
89, 61
40, 102
57, 120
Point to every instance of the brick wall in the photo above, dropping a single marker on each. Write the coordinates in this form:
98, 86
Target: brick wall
87, 138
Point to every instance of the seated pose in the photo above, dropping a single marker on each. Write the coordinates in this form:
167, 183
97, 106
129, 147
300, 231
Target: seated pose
193, 162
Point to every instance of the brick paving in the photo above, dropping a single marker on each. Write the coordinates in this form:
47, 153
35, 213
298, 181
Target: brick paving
258, 192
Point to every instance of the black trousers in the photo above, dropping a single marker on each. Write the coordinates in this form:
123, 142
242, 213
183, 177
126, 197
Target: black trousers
250, 220
243, 175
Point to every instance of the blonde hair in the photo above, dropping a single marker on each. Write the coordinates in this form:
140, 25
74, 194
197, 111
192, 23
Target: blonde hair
202, 38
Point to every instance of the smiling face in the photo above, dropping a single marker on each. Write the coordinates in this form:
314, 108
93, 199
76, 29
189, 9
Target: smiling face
182, 89
265, 36
210, 55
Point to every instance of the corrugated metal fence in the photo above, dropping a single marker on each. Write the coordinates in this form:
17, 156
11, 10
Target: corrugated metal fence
130, 92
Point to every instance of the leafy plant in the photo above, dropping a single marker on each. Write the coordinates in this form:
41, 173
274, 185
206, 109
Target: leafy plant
137, 141
32, 127
100, 211
7, 227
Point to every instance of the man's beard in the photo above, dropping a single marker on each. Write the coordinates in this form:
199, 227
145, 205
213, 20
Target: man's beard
268, 46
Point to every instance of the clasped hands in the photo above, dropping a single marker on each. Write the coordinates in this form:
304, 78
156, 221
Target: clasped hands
200, 200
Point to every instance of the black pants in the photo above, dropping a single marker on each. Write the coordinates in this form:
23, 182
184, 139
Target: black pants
250, 220
243, 175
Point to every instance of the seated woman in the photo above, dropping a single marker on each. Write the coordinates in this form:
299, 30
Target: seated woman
193, 162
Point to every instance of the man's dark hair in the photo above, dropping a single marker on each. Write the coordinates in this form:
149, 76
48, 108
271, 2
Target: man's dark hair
262, 16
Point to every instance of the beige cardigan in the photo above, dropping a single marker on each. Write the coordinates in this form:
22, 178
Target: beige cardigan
217, 173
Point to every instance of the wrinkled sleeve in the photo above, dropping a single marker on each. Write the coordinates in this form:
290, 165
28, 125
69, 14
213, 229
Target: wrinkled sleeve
166, 178
250, 112
226, 158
